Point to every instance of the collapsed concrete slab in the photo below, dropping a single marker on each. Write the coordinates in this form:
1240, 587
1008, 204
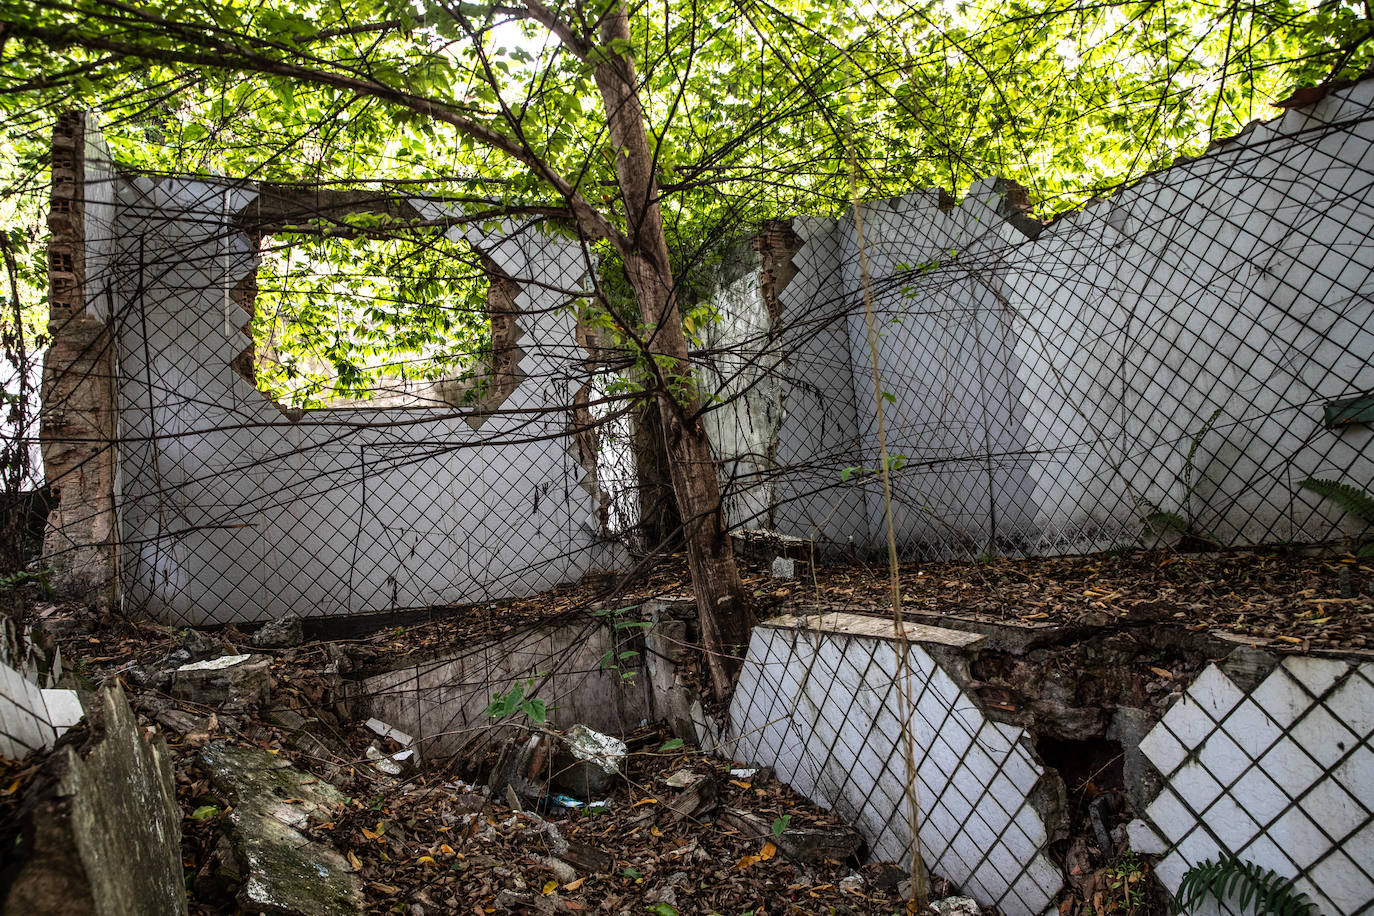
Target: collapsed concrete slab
272, 806
233, 681
101, 828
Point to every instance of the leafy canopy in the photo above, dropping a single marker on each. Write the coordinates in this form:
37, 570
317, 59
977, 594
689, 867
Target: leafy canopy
754, 110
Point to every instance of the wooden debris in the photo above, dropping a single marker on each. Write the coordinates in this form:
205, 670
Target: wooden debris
696, 802
835, 842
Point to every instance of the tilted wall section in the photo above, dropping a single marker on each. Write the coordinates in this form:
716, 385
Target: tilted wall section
1166, 354
235, 510
821, 700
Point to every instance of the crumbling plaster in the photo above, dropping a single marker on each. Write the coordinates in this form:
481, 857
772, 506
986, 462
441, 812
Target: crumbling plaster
78, 420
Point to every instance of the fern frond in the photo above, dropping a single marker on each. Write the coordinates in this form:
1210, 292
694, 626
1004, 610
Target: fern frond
1230, 878
1188, 485
1357, 502
1168, 520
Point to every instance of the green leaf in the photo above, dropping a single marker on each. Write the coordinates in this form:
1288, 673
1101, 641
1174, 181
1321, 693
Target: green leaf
780, 824
672, 744
205, 811
633, 624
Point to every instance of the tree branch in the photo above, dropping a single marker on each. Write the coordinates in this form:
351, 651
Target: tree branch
588, 218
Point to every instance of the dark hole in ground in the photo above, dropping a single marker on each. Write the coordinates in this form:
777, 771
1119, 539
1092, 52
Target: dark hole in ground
1088, 767
1094, 782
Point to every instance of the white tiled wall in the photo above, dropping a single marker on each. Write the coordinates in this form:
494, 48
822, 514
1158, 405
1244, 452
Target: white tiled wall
1052, 387
1282, 777
31, 718
823, 708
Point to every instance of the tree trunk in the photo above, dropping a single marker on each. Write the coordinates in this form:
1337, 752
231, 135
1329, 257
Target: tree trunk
660, 526
722, 602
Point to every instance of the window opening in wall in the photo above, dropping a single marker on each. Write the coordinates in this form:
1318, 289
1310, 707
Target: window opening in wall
347, 314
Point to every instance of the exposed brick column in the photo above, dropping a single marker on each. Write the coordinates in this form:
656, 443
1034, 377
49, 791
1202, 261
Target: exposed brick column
77, 430
776, 244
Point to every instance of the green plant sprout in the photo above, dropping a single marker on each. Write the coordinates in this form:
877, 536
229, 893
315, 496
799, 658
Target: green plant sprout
1185, 521
515, 701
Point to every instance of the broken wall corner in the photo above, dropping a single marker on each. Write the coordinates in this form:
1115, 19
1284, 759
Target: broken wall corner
78, 428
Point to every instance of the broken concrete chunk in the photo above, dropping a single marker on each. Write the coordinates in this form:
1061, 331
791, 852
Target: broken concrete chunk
697, 802
288, 718
522, 765
101, 831
564, 872
283, 633
272, 805
200, 645
586, 859
397, 764
196, 729
235, 681
587, 761
784, 568
221, 663
955, 906
309, 737
684, 778
377, 726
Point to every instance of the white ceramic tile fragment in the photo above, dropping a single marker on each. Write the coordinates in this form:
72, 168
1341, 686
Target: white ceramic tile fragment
64, 709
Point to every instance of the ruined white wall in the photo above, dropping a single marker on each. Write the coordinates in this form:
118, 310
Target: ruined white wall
741, 369
232, 511
1045, 392
1279, 776
822, 704
442, 700
785, 419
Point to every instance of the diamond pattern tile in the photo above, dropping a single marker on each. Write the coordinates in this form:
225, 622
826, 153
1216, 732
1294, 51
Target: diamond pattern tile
1282, 781
980, 828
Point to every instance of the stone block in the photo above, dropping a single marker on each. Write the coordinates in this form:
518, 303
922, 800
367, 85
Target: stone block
273, 807
233, 681
101, 827
283, 633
